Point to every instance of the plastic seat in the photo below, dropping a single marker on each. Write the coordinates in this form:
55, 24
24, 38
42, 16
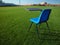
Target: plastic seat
43, 18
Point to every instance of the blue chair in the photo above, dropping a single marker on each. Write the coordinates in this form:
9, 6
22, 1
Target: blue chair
43, 17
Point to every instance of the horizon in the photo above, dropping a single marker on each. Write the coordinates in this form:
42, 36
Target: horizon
24, 2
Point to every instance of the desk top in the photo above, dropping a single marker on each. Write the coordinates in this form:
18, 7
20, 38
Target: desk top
34, 9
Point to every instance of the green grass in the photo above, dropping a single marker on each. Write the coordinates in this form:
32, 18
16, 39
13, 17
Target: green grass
14, 23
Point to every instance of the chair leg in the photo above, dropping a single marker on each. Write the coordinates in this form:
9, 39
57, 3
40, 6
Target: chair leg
28, 31
30, 27
37, 31
48, 26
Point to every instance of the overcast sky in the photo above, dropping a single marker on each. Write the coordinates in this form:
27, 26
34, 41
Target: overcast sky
31, 1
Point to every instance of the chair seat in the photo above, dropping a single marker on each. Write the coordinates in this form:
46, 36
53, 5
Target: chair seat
42, 18
35, 20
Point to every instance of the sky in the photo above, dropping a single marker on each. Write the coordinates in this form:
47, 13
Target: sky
23, 2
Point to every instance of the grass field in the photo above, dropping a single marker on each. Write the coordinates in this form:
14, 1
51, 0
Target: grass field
14, 23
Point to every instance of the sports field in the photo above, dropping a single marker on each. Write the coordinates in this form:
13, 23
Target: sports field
14, 24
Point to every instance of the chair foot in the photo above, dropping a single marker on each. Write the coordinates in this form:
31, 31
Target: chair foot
28, 31
37, 31
30, 27
48, 26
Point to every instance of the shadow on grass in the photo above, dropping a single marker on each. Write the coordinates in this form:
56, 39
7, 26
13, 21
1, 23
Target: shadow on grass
46, 38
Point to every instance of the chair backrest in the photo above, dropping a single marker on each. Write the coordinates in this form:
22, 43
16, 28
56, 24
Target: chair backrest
44, 16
